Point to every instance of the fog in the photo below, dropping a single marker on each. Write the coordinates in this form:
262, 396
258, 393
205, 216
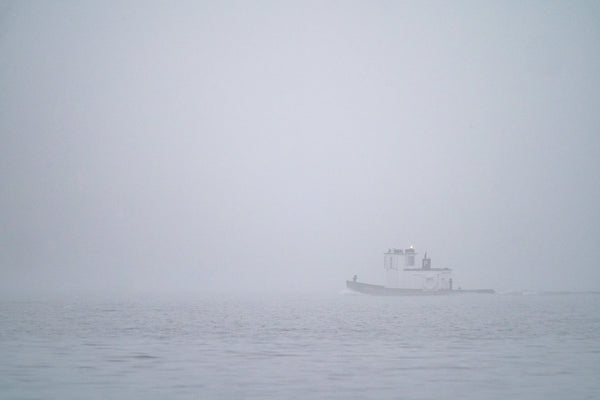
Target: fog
283, 146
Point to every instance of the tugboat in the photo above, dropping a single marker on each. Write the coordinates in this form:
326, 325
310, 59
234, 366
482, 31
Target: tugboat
404, 278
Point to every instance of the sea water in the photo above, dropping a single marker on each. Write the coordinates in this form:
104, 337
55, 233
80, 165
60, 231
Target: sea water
331, 346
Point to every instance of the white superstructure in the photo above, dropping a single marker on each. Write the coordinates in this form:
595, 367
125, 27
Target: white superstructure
402, 271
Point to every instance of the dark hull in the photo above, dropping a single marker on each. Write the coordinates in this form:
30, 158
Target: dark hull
378, 290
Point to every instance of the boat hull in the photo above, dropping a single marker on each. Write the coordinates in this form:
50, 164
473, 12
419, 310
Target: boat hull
379, 290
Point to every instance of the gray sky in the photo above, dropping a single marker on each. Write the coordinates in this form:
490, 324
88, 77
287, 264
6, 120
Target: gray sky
285, 145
